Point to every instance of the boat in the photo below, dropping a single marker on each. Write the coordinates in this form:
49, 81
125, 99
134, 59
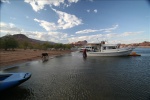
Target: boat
10, 80
87, 47
109, 50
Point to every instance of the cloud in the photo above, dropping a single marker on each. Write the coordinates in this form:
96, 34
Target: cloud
90, 38
5, 1
73, 1
39, 4
65, 21
88, 10
60, 37
111, 37
57, 37
9, 28
110, 29
104, 30
27, 17
131, 33
86, 31
48, 26
95, 11
129, 40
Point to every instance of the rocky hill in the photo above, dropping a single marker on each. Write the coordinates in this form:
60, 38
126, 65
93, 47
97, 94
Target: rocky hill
22, 37
143, 44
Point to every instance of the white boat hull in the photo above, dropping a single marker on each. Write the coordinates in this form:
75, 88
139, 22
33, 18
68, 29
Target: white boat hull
114, 53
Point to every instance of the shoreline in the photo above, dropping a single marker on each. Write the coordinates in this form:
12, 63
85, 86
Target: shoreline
12, 58
143, 47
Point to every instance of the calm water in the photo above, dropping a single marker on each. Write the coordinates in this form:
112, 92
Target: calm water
70, 77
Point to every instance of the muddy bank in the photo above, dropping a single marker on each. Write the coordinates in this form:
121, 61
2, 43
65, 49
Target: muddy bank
19, 56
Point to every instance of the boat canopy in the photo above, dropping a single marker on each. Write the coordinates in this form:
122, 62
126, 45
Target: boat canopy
110, 45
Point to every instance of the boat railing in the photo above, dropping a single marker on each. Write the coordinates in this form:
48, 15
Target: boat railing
126, 48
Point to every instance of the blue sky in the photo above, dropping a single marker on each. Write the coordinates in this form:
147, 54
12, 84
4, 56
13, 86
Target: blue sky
67, 21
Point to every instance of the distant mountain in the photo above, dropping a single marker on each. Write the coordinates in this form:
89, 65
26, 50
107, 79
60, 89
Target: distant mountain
143, 44
22, 37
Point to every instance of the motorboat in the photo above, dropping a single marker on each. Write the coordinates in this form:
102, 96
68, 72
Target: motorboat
9, 80
110, 50
87, 47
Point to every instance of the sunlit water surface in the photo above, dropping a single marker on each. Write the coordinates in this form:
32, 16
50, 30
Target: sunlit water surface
70, 77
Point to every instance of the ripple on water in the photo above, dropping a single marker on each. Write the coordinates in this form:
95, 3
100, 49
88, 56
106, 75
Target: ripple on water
71, 77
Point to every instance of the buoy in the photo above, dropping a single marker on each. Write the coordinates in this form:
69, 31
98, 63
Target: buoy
134, 54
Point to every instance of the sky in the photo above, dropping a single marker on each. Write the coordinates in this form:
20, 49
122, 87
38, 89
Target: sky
67, 21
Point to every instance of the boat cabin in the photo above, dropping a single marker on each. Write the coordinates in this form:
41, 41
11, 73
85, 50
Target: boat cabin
109, 47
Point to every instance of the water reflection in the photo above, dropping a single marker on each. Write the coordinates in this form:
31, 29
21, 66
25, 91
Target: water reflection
45, 59
22, 93
12, 68
94, 78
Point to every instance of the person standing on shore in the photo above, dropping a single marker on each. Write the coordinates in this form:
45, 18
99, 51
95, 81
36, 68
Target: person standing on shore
84, 53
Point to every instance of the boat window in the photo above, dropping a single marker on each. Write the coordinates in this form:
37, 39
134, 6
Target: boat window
113, 47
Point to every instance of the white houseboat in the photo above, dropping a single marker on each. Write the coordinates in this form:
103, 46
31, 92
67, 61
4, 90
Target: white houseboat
109, 50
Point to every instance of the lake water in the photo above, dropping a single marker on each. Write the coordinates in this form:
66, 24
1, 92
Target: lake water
70, 77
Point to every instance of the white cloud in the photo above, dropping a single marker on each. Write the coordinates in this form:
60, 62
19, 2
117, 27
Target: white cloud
39, 4
95, 10
73, 1
86, 31
5, 1
9, 29
125, 37
27, 17
131, 33
48, 36
88, 10
48, 26
110, 29
58, 36
111, 37
104, 30
65, 21
129, 40
90, 39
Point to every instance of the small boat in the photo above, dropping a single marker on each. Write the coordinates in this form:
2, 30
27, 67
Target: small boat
9, 80
110, 50
87, 47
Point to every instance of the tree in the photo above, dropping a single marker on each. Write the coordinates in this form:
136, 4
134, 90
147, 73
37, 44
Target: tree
1, 43
9, 42
25, 45
67, 46
45, 45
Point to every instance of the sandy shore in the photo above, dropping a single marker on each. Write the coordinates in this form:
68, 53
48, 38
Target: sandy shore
8, 58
